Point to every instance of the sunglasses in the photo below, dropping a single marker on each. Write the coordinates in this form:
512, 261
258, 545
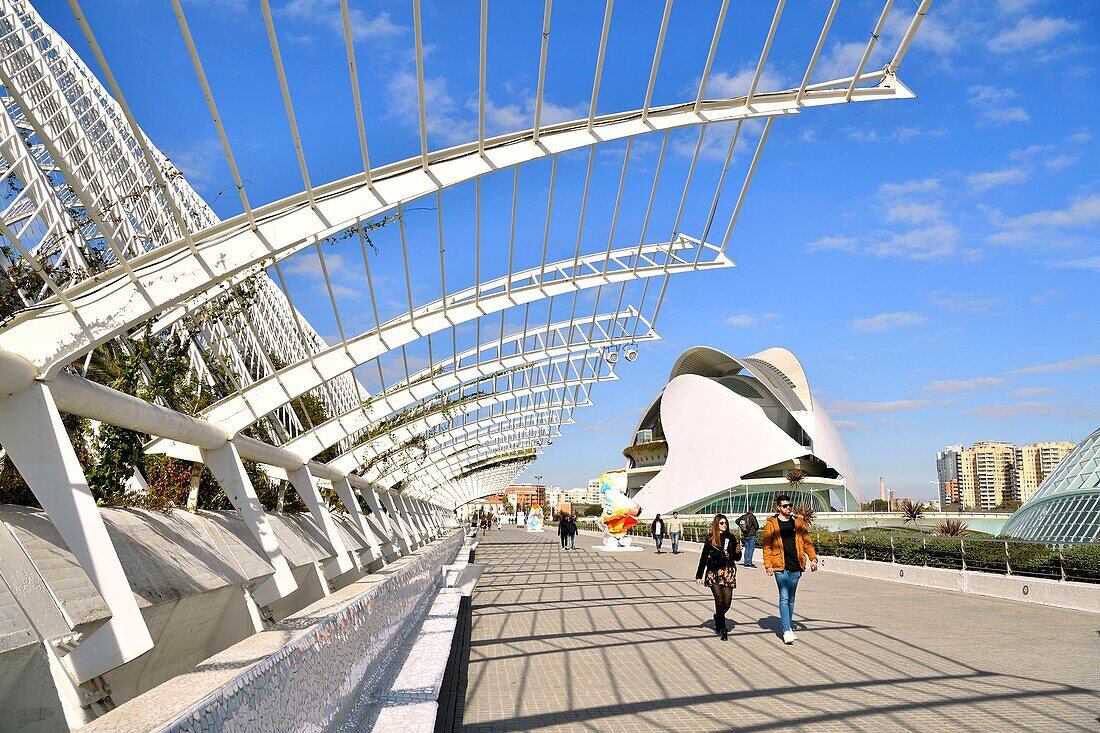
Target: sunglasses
784, 506
723, 522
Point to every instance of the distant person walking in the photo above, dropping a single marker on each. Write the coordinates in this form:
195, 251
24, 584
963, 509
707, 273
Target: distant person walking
749, 527
787, 546
563, 529
571, 532
719, 559
675, 529
658, 532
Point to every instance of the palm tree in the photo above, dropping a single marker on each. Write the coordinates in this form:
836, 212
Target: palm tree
911, 512
807, 512
951, 528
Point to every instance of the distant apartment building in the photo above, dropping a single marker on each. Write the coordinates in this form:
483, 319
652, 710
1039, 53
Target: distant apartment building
1035, 462
947, 470
989, 473
524, 495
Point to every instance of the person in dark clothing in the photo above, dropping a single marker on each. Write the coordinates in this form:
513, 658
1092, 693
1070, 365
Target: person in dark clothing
658, 529
571, 532
563, 529
787, 547
718, 561
749, 527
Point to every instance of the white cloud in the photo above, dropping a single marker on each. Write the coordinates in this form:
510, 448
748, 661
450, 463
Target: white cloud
726, 84
1045, 296
929, 243
842, 244
505, 118
1080, 363
326, 13
1083, 263
1060, 162
995, 104
717, 139
843, 407
963, 303
927, 185
1018, 409
839, 60
887, 321
1029, 151
742, 320
1009, 7
901, 134
1080, 137
990, 179
850, 425
443, 120
1080, 213
808, 135
201, 163
1030, 32
947, 386
1032, 391
912, 212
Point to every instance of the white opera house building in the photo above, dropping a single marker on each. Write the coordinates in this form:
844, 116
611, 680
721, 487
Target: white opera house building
727, 432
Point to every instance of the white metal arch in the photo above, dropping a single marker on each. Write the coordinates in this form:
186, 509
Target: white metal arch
171, 274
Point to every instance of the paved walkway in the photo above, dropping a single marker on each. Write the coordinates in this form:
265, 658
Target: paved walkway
584, 640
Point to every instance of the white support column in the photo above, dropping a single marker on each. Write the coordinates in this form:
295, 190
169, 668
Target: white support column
225, 464
404, 535
38, 445
410, 516
347, 495
390, 544
428, 512
413, 512
422, 513
341, 562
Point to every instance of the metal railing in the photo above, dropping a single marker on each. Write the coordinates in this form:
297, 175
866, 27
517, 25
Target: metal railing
1072, 561
1075, 561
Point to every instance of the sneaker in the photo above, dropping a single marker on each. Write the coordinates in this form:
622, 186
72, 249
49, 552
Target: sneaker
793, 636
788, 637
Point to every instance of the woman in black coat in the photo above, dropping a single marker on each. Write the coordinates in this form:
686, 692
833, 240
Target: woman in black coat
719, 559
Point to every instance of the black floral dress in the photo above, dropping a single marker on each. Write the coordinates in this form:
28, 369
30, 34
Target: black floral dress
725, 558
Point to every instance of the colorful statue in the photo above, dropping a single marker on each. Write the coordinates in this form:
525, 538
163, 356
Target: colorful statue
534, 519
620, 513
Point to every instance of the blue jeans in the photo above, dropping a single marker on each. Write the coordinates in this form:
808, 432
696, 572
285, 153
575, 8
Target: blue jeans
658, 539
788, 584
675, 537
750, 548
570, 540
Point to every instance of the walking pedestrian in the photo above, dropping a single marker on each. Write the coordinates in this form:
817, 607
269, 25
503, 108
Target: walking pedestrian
787, 546
719, 557
675, 529
749, 527
563, 529
572, 532
658, 532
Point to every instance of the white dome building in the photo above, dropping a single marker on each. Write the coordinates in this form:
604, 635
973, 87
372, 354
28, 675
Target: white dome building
724, 433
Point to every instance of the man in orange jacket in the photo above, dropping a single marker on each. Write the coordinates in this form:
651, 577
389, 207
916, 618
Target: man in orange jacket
787, 546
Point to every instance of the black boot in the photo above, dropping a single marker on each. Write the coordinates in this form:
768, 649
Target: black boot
722, 626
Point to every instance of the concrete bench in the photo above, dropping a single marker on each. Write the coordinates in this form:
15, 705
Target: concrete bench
412, 702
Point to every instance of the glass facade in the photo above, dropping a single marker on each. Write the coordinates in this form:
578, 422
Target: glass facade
1066, 507
763, 501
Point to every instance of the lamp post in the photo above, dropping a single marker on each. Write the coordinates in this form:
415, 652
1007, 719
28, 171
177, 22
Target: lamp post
538, 486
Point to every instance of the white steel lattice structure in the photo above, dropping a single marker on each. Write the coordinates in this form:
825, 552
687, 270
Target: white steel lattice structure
116, 243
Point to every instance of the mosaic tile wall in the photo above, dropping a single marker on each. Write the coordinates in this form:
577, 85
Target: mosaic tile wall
309, 682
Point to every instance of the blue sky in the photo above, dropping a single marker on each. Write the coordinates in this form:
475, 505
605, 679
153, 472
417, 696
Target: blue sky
933, 262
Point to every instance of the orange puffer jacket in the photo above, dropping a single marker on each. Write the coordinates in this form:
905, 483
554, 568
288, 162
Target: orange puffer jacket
773, 544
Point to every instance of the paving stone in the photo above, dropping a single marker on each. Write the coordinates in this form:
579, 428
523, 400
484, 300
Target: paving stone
583, 640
